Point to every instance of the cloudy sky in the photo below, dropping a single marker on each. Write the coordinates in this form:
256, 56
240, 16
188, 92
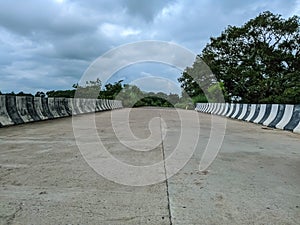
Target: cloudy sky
48, 44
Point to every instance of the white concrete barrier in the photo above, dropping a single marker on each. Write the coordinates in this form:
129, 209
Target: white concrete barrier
23, 109
272, 115
288, 113
286, 117
227, 107
236, 110
244, 111
252, 112
38, 105
261, 113
5, 119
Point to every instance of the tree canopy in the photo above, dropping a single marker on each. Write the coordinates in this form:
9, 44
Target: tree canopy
258, 62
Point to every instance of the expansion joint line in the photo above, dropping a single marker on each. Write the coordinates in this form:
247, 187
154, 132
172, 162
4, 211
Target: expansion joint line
165, 170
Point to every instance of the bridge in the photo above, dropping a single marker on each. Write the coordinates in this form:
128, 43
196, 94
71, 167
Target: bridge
47, 179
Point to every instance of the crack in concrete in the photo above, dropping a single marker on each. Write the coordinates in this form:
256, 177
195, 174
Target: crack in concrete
12, 217
165, 170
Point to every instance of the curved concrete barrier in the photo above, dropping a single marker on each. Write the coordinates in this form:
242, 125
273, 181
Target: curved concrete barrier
294, 122
227, 108
5, 119
236, 111
98, 106
60, 107
258, 109
286, 117
266, 114
101, 104
53, 108
214, 108
105, 101
233, 111
220, 109
77, 109
11, 107
251, 112
41, 112
243, 111
24, 109
46, 108
271, 115
280, 112
261, 113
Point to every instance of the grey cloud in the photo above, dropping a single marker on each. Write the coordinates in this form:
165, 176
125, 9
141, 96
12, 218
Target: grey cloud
145, 9
197, 21
48, 45
33, 17
39, 74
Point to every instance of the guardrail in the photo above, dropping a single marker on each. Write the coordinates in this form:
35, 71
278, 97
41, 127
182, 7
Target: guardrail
24, 109
281, 116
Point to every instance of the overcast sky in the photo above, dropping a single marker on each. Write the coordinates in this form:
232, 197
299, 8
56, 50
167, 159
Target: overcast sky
48, 44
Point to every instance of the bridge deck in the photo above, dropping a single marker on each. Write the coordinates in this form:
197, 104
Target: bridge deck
44, 178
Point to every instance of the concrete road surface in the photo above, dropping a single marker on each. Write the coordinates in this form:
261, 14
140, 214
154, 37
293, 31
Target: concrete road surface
44, 178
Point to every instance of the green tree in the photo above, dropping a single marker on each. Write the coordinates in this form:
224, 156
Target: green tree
91, 89
21, 93
129, 95
195, 80
111, 90
40, 94
58, 94
214, 92
259, 61
173, 98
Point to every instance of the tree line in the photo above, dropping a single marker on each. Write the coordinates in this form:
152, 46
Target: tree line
130, 95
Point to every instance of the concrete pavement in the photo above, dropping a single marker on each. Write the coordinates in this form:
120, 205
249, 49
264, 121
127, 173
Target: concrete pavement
44, 178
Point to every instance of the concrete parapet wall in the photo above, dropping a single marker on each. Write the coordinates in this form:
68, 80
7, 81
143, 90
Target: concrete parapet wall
23, 109
281, 116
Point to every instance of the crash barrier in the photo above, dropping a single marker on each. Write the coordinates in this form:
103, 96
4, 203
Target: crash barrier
281, 116
23, 109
